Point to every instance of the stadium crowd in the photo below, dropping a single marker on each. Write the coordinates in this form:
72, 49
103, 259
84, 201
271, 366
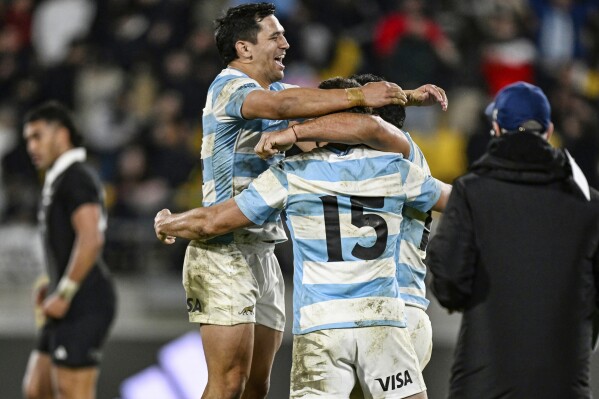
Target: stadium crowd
136, 73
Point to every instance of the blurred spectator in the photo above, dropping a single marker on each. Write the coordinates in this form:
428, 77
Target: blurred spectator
15, 49
177, 76
558, 33
560, 30
18, 17
9, 61
142, 91
56, 23
412, 50
206, 64
411, 46
8, 141
136, 199
172, 159
105, 116
138, 196
478, 138
20, 190
509, 55
58, 81
577, 126
127, 37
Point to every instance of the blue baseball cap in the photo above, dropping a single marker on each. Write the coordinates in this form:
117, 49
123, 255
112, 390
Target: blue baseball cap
519, 103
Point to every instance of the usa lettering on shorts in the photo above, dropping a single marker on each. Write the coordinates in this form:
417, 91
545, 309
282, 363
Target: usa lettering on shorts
194, 305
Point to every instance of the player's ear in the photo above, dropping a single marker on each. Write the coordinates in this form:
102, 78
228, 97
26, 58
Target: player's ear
63, 136
244, 50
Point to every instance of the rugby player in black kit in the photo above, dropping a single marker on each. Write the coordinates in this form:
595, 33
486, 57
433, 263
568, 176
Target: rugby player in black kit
79, 301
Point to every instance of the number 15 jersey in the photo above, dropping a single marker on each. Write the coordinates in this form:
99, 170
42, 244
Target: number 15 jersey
343, 210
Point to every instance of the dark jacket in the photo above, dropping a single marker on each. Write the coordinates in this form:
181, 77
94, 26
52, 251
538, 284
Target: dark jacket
517, 250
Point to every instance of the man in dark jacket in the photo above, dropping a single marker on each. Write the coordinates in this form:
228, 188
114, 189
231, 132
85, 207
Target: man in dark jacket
517, 251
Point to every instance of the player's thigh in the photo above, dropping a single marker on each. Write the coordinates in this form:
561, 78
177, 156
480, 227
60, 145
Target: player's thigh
267, 342
323, 364
227, 348
421, 333
76, 383
387, 366
37, 382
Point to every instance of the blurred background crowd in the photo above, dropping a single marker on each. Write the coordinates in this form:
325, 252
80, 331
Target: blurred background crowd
136, 73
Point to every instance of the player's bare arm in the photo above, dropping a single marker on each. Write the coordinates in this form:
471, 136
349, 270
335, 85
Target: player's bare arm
346, 131
343, 127
442, 202
89, 240
309, 102
200, 223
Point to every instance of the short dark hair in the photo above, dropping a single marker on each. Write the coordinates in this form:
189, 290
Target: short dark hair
54, 111
394, 114
338, 82
239, 23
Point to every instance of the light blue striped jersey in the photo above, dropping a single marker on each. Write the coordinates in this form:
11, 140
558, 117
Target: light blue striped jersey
344, 215
229, 162
411, 270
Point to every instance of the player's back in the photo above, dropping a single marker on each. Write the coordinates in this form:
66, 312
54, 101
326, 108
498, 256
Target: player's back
344, 214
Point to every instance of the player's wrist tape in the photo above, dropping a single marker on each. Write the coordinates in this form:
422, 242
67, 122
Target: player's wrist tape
411, 102
67, 288
356, 97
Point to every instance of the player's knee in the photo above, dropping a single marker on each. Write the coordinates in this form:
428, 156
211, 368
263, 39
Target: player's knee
68, 390
231, 387
62, 391
256, 389
30, 392
228, 391
34, 391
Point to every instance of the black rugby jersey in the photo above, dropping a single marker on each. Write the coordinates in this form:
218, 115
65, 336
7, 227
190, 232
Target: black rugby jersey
78, 184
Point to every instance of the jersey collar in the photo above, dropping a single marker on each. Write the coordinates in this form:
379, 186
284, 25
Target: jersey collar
61, 164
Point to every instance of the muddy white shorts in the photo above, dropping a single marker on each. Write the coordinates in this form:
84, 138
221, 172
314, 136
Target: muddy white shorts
228, 284
421, 333
327, 363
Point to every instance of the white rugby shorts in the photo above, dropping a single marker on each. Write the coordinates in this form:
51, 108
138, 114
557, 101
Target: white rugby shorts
228, 284
328, 363
421, 333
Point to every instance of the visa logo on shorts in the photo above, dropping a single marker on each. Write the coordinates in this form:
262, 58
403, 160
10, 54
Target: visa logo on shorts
396, 381
194, 305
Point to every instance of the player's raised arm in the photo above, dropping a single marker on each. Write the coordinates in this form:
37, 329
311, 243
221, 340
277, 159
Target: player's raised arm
343, 127
309, 102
